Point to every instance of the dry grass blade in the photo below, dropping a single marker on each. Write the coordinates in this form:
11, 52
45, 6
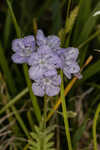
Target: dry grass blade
68, 88
7, 127
9, 143
5, 133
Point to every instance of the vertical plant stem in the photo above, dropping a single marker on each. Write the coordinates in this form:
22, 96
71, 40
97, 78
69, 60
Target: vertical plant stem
65, 115
35, 27
33, 98
68, 87
94, 127
45, 111
57, 135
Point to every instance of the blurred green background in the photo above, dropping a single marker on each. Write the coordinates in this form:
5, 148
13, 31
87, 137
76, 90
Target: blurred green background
81, 30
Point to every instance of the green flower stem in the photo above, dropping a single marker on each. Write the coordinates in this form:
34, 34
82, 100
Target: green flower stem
65, 114
33, 97
45, 111
94, 127
14, 100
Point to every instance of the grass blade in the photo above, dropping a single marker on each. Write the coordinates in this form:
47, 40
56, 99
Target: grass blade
33, 97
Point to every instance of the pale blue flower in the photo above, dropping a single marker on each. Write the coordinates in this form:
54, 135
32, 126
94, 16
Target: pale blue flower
23, 48
52, 41
45, 56
70, 66
47, 86
43, 62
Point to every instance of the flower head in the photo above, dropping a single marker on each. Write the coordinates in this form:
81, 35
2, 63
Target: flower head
47, 86
70, 65
23, 48
44, 56
51, 41
43, 62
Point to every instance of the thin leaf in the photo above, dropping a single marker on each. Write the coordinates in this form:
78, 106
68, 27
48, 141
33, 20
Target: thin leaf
91, 70
82, 18
6, 71
78, 134
25, 67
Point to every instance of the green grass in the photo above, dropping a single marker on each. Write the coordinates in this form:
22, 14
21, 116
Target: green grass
74, 23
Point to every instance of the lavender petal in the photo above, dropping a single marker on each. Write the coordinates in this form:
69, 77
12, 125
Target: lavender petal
38, 89
53, 41
40, 38
35, 72
52, 90
17, 44
19, 59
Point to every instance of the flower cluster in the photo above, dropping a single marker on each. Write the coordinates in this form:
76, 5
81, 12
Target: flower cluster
45, 57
